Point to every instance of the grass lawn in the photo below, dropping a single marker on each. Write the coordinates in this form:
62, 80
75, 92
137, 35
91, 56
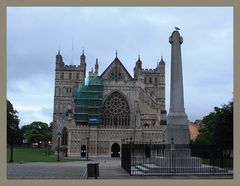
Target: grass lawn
34, 155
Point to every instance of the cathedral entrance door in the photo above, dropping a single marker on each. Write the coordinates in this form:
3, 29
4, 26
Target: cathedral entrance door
83, 151
147, 151
115, 150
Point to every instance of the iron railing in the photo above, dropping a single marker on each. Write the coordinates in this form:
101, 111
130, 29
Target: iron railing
158, 159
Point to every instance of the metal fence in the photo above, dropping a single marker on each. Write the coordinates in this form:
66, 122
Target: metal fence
156, 159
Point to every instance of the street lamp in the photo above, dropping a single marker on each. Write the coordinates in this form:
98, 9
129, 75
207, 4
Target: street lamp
59, 135
12, 126
87, 146
49, 143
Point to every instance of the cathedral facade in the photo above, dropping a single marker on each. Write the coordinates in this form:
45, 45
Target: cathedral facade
93, 117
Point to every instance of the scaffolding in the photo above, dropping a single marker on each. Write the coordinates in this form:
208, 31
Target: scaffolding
88, 102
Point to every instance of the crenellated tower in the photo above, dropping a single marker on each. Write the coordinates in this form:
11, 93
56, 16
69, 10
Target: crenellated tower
154, 83
67, 79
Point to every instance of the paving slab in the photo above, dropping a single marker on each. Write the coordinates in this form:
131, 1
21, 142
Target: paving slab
109, 168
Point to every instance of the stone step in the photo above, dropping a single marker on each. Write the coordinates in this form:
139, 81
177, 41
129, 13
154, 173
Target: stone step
204, 169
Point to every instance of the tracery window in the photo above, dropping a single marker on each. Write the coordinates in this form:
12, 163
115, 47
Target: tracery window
116, 111
116, 74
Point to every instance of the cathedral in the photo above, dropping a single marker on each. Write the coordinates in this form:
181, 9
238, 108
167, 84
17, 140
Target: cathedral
95, 113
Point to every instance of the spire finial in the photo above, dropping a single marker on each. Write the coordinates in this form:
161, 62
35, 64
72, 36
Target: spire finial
138, 56
96, 66
116, 53
59, 50
161, 58
83, 51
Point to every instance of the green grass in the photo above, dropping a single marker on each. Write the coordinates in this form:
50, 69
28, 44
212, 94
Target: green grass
34, 155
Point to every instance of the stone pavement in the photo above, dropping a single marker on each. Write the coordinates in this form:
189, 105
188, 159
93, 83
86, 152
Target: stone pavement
60, 170
109, 168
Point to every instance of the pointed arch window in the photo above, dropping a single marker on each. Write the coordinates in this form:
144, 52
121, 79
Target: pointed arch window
64, 136
116, 74
62, 75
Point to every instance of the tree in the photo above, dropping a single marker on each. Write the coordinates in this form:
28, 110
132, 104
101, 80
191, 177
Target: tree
218, 127
37, 131
12, 124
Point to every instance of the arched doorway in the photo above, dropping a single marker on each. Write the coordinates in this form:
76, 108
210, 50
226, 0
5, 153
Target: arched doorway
147, 151
83, 151
115, 150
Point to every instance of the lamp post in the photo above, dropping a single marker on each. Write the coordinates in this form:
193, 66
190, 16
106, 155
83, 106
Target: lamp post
150, 150
87, 146
59, 135
49, 143
12, 126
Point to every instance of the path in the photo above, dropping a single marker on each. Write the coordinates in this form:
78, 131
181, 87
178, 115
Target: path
109, 168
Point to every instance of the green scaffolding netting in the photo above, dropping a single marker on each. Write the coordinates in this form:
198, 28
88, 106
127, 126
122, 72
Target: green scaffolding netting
88, 101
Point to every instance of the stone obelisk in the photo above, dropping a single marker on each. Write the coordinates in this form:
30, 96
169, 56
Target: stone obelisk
177, 131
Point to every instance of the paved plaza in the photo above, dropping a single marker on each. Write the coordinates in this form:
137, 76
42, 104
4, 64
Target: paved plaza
109, 168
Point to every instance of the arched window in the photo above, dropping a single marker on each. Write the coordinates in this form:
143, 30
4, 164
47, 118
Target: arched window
116, 111
62, 75
116, 74
64, 136
150, 80
70, 75
155, 80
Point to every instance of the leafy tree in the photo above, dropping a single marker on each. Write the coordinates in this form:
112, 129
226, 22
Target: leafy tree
37, 131
218, 127
12, 124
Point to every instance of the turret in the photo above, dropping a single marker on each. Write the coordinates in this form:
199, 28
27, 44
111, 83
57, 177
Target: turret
96, 67
138, 68
161, 66
83, 62
59, 60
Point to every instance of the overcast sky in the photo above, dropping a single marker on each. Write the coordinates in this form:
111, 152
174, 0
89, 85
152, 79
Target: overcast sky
34, 36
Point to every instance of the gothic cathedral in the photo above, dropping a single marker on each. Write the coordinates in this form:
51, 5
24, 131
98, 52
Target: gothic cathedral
94, 115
